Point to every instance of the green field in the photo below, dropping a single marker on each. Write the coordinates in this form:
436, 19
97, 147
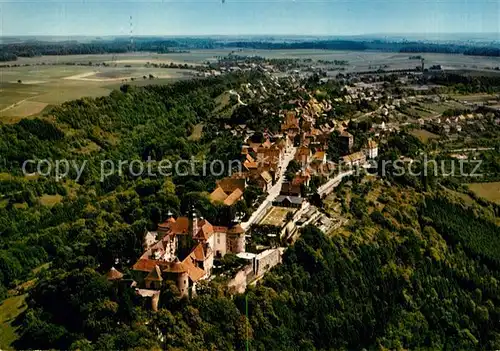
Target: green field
424, 135
10, 309
28, 90
488, 191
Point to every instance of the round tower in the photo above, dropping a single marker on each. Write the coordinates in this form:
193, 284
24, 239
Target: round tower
236, 239
183, 283
181, 277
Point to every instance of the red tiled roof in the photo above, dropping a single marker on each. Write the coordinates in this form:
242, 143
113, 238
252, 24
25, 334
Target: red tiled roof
181, 226
195, 273
146, 265
236, 229
231, 184
233, 197
175, 267
198, 253
220, 229
250, 165
114, 274
205, 230
218, 195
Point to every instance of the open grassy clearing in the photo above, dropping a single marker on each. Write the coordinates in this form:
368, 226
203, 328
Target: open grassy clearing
50, 200
10, 309
474, 97
466, 198
488, 191
25, 108
424, 135
197, 132
276, 216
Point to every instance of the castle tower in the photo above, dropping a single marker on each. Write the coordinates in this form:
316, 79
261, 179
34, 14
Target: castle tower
236, 239
183, 283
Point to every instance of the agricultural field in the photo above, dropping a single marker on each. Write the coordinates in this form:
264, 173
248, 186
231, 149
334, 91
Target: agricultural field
424, 135
276, 216
488, 191
31, 85
26, 91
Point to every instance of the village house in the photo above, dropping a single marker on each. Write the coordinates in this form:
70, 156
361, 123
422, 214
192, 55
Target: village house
288, 201
372, 149
291, 189
320, 157
346, 141
229, 190
303, 155
263, 180
291, 123
354, 160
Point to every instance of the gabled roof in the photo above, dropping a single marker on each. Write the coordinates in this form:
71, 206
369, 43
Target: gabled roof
249, 165
175, 267
289, 188
198, 253
155, 274
290, 199
146, 265
114, 274
195, 273
233, 197
353, 157
236, 229
218, 195
180, 226
231, 184
266, 176
319, 155
205, 230
303, 151
372, 144
250, 158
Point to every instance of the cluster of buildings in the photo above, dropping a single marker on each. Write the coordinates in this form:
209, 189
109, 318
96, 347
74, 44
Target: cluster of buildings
182, 250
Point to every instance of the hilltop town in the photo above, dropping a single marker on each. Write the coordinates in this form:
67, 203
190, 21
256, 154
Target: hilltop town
294, 165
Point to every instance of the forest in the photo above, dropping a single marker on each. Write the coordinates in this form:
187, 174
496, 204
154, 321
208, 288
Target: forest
106, 220
11, 51
400, 280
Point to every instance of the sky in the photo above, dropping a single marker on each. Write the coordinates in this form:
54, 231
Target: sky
244, 17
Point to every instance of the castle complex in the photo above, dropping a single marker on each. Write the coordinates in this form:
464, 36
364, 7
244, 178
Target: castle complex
183, 250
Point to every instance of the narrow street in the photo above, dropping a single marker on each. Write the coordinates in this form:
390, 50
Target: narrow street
273, 192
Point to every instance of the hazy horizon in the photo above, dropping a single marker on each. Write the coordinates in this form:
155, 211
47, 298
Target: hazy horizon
73, 18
